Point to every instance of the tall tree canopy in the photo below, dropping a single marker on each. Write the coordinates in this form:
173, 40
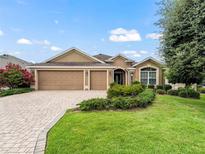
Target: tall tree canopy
183, 42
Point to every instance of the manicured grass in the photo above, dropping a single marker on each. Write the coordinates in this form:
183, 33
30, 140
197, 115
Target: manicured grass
14, 91
171, 125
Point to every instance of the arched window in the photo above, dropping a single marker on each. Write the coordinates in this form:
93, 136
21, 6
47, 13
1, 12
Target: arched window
148, 76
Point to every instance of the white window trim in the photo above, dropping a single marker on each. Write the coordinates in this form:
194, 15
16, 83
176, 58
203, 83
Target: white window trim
157, 73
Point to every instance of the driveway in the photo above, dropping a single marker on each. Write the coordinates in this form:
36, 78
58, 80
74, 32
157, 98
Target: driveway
24, 116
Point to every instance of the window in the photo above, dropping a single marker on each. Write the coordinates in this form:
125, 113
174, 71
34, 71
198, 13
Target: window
148, 76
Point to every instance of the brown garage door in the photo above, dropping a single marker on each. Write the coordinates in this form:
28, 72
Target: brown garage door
98, 80
60, 80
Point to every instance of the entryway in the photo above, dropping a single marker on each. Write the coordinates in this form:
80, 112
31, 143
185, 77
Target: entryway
119, 76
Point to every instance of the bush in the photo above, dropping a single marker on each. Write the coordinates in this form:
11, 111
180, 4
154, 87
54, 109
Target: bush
188, 93
167, 87
95, 104
15, 91
172, 92
142, 100
13, 76
122, 90
160, 91
160, 87
136, 82
202, 90
151, 86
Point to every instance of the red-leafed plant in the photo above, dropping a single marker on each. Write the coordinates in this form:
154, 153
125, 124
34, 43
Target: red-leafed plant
13, 76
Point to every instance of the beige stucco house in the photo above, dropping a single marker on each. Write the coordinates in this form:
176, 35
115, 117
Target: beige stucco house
74, 69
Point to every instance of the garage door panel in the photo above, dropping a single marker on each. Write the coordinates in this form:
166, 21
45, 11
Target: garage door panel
60, 80
98, 80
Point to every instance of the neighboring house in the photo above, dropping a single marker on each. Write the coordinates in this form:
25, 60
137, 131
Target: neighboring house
6, 59
76, 70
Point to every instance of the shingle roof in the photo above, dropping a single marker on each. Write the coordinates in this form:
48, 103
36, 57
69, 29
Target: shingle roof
102, 57
71, 64
5, 59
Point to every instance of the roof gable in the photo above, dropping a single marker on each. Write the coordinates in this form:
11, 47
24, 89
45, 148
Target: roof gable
148, 59
73, 55
119, 56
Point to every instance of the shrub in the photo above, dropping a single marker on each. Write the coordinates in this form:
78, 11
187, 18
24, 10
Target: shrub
160, 91
160, 87
15, 91
151, 86
172, 92
136, 82
202, 90
122, 90
95, 104
188, 93
13, 76
167, 87
142, 100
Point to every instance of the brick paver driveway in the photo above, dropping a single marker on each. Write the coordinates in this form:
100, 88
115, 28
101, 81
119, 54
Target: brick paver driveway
24, 116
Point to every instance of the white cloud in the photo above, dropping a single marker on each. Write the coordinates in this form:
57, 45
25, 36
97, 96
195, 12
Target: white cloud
123, 35
24, 41
134, 53
55, 48
42, 42
56, 21
1, 33
154, 36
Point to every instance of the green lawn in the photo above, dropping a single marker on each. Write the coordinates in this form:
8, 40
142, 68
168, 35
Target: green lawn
170, 125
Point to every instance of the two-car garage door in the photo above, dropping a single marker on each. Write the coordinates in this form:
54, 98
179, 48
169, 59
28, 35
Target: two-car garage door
70, 80
60, 80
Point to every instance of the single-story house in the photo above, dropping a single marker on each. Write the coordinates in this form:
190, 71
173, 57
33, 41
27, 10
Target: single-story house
74, 69
6, 59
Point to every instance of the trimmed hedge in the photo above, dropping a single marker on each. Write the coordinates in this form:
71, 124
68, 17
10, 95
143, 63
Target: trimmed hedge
142, 100
15, 91
202, 90
165, 87
172, 92
151, 86
184, 92
117, 90
160, 91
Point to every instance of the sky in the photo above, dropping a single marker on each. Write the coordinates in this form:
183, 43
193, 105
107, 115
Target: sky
36, 30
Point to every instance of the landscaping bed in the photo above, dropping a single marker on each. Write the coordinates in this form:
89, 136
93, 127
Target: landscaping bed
171, 125
121, 97
15, 91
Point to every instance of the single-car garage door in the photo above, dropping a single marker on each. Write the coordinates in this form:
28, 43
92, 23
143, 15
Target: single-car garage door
60, 80
98, 80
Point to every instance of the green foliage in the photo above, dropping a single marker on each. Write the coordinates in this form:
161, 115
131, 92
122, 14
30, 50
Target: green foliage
122, 90
142, 100
151, 86
183, 42
160, 87
172, 92
202, 90
188, 93
160, 91
95, 104
15, 91
136, 82
167, 87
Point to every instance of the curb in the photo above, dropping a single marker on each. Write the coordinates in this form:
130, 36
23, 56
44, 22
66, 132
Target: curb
41, 140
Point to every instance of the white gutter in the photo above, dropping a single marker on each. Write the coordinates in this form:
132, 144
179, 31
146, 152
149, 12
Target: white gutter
68, 67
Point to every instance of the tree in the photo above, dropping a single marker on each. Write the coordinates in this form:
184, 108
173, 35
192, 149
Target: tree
183, 42
13, 76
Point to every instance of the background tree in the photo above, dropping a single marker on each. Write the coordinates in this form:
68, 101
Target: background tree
183, 43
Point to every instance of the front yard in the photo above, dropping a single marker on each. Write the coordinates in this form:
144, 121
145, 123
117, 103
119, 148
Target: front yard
171, 125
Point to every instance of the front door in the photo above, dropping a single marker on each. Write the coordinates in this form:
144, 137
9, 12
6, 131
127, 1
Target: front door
119, 76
